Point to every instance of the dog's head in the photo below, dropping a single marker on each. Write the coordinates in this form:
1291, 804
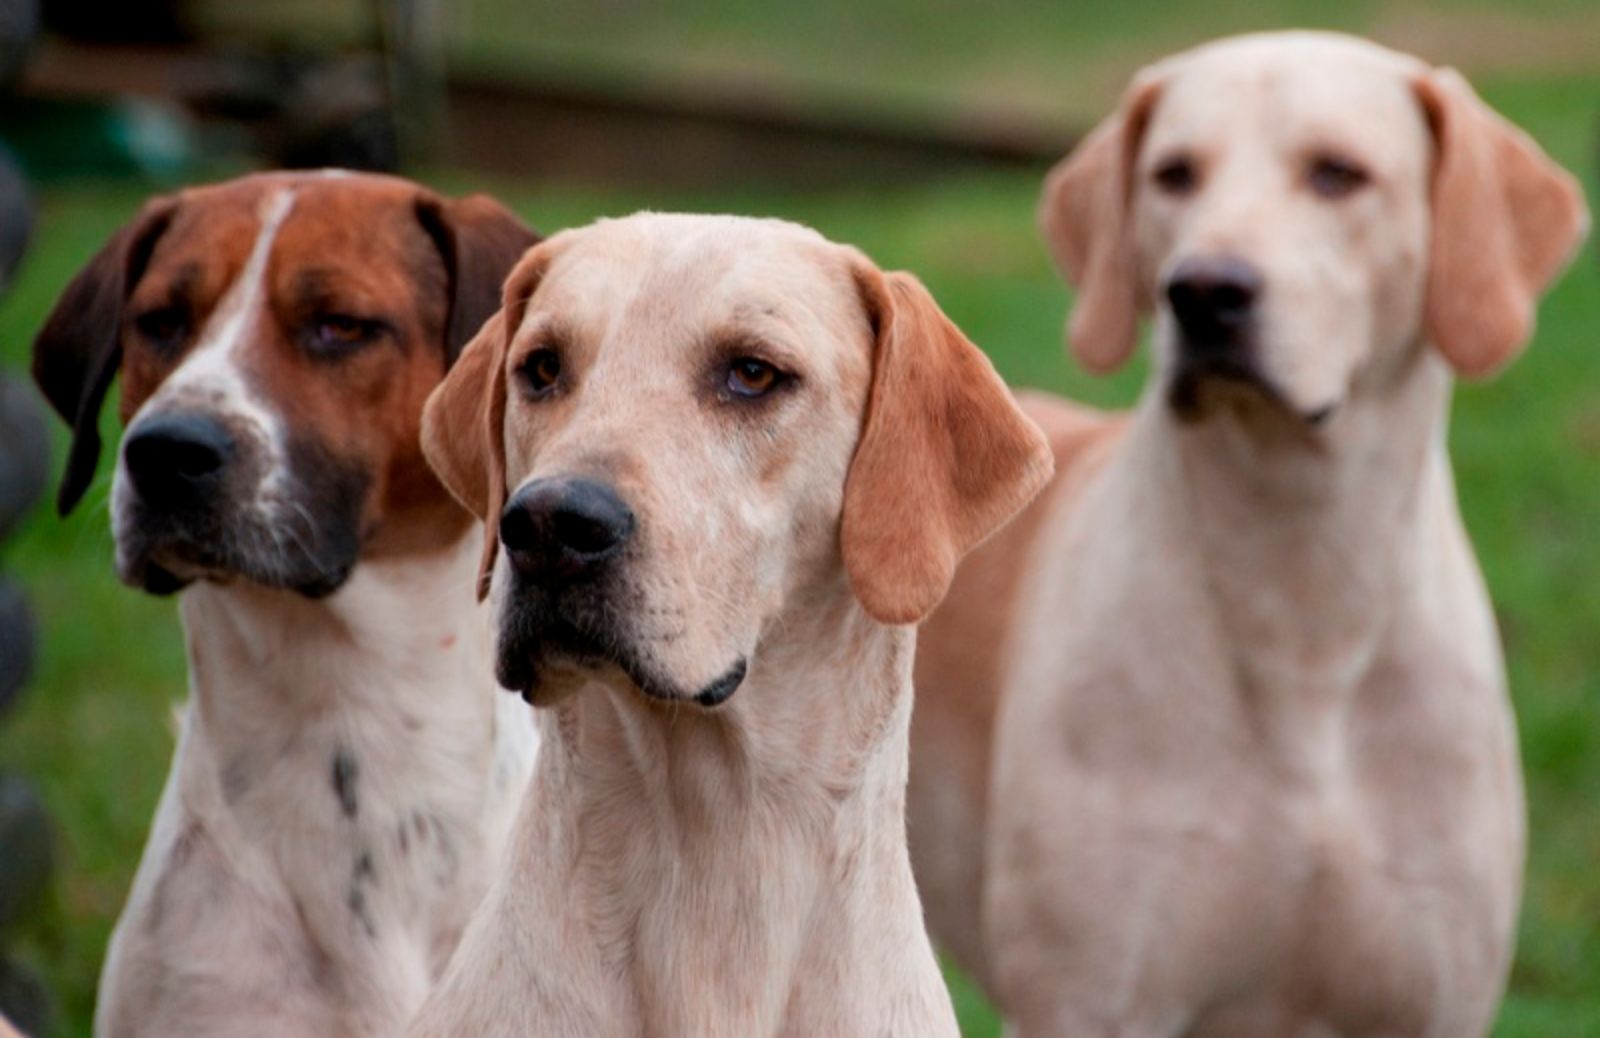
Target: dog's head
1301, 211
276, 338
683, 427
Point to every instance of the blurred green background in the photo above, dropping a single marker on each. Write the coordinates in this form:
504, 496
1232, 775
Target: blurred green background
96, 730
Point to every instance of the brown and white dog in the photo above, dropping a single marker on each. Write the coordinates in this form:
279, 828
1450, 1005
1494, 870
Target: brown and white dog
1216, 734
346, 773
729, 463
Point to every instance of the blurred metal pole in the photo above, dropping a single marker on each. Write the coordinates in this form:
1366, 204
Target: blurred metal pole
411, 36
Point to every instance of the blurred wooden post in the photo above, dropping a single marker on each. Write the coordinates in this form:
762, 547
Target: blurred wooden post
412, 42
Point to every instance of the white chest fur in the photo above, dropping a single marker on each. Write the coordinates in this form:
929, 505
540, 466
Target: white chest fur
344, 780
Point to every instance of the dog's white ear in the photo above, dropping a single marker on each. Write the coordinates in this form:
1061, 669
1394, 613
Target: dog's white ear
945, 456
1084, 214
463, 423
1506, 219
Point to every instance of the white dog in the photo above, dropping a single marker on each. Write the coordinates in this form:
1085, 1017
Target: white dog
1217, 732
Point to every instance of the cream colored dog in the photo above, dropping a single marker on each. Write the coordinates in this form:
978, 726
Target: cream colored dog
730, 463
1226, 708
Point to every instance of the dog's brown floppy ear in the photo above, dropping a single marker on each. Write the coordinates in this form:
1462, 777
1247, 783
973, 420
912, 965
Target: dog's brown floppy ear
1084, 214
463, 422
463, 433
945, 456
480, 241
1506, 219
78, 352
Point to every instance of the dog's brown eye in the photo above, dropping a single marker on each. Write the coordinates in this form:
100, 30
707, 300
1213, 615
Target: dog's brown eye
1333, 177
541, 370
748, 377
1177, 176
337, 333
165, 326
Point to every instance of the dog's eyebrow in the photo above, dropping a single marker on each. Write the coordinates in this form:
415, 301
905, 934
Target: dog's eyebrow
320, 286
181, 286
1314, 144
1158, 152
759, 327
546, 329
730, 342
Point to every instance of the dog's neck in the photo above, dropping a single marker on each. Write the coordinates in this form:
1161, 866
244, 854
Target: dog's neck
1299, 537
402, 639
353, 751
683, 871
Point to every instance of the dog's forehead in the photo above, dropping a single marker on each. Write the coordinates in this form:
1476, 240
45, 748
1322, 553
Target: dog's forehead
1287, 87
332, 196
357, 232
357, 237
679, 277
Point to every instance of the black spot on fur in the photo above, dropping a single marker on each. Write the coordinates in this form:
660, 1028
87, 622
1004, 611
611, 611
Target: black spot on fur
431, 838
235, 780
357, 900
345, 772
363, 875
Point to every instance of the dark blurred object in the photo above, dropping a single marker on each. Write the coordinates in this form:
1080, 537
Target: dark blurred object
304, 112
17, 639
16, 216
362, 139
118, 21
19, 25
163, 111
56, 137
25, 870
25, 999
30, 854
410, 37
27, 853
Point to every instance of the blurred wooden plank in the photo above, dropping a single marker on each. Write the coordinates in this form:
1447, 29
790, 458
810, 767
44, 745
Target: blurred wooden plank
667, 133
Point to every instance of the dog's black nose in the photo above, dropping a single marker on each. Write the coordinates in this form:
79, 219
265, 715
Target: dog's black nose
561, 529
177, 459
1213, 298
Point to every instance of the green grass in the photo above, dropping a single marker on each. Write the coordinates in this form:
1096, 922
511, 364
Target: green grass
95, 730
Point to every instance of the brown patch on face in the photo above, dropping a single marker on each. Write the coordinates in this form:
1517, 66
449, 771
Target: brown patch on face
345, 255
201, 253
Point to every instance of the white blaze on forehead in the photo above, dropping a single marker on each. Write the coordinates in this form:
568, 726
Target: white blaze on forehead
240, 305
212, 375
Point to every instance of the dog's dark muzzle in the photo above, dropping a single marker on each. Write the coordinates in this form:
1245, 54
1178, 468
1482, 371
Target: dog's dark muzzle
570, 599
1213, 301
563, 530
193, 510
179, 461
